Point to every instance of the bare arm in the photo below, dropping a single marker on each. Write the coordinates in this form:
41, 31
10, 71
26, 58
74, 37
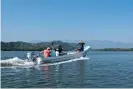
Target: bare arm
42, 51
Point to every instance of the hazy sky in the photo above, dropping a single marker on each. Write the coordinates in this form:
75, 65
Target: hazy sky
27, 20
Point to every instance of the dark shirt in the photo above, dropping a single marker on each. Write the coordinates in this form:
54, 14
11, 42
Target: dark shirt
60, 48
81, 46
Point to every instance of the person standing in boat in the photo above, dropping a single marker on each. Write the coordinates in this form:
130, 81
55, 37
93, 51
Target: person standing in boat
46, 52
81, 45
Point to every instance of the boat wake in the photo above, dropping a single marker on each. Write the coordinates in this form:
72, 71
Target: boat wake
12, 62
63, 62
17, 62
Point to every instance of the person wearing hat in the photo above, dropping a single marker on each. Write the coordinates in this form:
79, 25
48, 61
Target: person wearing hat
81, 45
46, 52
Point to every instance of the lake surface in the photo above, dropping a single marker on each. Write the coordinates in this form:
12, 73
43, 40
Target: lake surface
98, 70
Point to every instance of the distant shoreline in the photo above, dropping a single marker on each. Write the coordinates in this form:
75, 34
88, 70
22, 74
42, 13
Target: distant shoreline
113, 49
25, 46
104, 49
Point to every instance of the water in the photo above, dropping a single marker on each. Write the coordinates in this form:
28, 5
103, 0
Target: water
102, 70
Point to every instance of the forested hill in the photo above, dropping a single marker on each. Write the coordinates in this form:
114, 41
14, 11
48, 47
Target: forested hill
24, 46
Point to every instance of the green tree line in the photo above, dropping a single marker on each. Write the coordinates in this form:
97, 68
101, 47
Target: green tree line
25, 46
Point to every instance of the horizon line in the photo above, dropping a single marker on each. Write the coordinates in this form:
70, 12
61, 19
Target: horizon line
36, 41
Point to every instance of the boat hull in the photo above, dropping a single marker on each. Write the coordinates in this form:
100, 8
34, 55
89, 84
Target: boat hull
66, 57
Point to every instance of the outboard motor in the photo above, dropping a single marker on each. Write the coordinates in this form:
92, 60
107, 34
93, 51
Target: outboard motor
38, 61
34, 58
29, 57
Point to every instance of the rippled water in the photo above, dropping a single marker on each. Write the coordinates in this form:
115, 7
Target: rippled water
103, 69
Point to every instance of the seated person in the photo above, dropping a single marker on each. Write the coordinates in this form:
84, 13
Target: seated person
53, 54
60, 48
57, 52
46, 52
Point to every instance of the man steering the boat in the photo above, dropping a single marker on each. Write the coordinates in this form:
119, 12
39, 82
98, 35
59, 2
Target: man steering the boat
81, 45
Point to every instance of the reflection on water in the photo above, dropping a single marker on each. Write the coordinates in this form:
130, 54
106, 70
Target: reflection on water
46, 72
81, 71
59, 74
53, 74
